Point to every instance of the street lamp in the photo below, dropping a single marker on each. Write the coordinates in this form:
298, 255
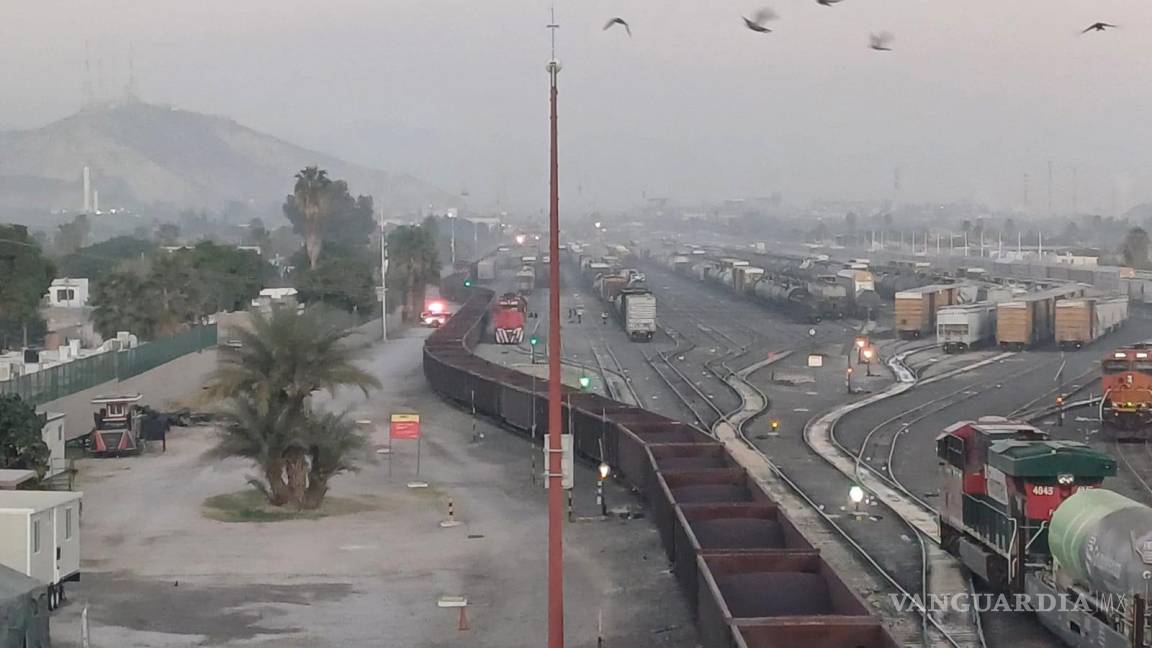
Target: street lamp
856, 495
605, 470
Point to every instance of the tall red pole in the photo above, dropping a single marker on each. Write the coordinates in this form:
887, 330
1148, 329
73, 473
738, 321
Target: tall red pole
555, 466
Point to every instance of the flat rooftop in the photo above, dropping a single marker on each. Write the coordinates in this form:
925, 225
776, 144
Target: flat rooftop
34, 501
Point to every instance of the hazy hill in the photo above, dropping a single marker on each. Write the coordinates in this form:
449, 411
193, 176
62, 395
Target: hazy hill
144, 155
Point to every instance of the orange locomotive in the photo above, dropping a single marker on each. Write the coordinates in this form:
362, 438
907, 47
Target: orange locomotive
1127, 383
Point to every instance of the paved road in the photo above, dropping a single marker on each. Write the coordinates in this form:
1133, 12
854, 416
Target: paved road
158, 574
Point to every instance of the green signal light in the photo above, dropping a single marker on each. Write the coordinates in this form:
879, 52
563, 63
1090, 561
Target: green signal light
585, 382
467, 283
533, 340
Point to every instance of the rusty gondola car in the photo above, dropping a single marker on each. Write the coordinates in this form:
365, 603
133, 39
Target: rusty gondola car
729, 542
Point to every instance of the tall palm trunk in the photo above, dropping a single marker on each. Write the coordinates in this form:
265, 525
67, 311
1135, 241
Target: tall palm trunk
278, 492
296, 467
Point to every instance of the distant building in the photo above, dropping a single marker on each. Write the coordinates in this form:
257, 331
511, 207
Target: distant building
270, 297
1075, 259
68, 293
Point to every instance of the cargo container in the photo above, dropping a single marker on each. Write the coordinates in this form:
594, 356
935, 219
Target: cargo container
745, 277
40, 537
916, 309
485, 270
608, 285
636, 308
962, 327
525, 280
1082, 321
1030, 320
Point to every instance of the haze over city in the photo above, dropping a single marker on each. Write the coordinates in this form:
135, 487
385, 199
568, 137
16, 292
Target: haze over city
694, 107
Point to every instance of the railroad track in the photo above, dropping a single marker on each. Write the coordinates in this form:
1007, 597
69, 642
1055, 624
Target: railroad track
681, 385
950, 635
609, 365
902, 422
1138, 464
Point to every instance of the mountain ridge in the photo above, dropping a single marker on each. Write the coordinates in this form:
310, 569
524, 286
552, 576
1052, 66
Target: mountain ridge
143, 155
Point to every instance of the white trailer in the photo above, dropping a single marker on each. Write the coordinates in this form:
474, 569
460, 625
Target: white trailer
638, 313
962, 327
40, 537
486, 269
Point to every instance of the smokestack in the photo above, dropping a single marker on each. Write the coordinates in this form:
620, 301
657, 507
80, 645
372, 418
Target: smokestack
87, 190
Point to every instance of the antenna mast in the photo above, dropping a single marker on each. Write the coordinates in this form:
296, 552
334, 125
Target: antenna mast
555, 419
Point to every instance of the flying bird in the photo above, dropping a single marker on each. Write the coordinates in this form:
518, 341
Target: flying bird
827, 3
756, 22
618, 21
1100, 26
880, 42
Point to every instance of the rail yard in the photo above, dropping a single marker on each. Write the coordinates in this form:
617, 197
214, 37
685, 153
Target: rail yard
849, 431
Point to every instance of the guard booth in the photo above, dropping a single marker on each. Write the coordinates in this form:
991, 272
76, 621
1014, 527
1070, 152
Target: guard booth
116, 429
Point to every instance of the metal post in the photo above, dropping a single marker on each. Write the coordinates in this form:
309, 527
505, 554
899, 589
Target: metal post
555, 449
533, 444
600, 498
452, 229
383, 280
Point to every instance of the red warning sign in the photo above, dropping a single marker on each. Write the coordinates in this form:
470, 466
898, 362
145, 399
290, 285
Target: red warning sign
405, 426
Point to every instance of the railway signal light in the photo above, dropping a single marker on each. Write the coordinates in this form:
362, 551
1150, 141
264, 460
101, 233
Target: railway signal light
467, 283
861, 342
534, 340
585, 382
775, 425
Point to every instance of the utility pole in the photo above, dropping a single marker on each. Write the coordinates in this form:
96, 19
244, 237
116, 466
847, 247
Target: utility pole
1049, 187
383, 280
1075, 191
555, 448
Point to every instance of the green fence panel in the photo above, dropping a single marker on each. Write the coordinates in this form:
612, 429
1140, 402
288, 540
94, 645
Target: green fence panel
76, 376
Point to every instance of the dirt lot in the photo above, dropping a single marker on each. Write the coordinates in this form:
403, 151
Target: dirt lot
157, 573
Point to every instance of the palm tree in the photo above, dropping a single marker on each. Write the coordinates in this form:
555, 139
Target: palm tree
266, 438
268, 378
312, 197
413, 264
285, 357
333, 441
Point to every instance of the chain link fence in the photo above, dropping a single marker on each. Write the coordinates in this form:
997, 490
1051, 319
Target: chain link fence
76, 376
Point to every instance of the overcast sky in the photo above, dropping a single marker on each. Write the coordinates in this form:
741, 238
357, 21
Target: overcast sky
977, 93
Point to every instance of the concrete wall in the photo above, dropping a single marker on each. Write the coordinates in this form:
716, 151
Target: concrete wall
164, 387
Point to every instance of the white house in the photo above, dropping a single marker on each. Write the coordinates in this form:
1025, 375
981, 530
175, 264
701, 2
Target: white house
40, 537
68, 293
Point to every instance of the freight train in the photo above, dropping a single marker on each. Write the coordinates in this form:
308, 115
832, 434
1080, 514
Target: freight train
1126, 382
624, 294
748, 573
1026, 515
508, 319
810, 299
